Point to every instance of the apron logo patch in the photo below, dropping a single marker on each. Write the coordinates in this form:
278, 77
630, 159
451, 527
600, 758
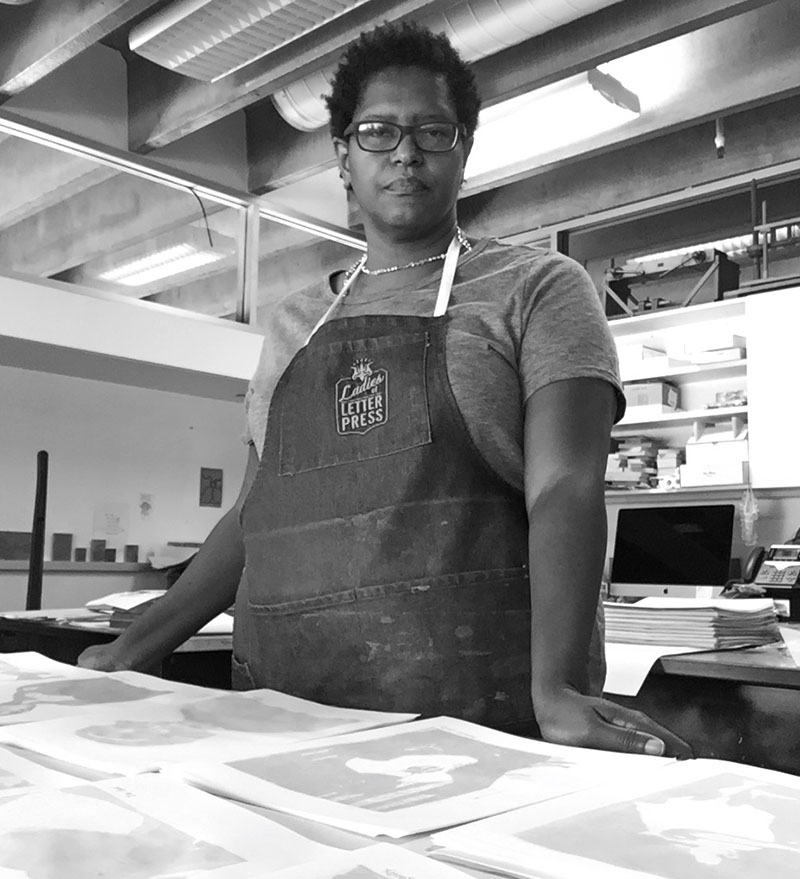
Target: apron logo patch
362, 399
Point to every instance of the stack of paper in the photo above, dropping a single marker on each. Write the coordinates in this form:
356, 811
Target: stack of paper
413, 778
705, 624
699, 819
122, 608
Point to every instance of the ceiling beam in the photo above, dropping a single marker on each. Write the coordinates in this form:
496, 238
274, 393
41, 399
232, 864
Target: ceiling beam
42, 36
610, 33
36, 178
279, 154
102, 219
165, 106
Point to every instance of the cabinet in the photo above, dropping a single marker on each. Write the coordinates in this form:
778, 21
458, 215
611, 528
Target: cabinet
769, 322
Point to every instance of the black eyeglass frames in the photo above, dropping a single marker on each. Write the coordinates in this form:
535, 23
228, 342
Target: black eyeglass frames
382, 137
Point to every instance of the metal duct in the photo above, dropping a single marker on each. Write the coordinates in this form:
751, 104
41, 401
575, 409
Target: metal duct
208, 39
477, 28
15, 2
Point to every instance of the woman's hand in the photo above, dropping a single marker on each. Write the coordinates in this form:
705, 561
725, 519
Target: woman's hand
102, 657
570, 718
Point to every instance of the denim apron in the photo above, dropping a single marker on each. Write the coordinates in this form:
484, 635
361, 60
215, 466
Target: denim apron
386, 562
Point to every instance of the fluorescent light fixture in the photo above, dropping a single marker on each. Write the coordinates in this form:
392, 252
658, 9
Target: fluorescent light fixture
729, 246
548, 119
163, 264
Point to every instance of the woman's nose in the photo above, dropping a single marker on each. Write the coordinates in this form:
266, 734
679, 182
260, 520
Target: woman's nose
407, 152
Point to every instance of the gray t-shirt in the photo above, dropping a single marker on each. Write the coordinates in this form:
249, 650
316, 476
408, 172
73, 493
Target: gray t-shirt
520, 319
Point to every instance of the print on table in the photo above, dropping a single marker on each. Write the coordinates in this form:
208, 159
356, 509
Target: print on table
721, 827
11, 781
203, 719
10, 673
360, 873
95, 833
89, 691
397, 772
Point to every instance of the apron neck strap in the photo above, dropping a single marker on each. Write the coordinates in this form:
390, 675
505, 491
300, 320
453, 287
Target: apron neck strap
448, 275
442, 298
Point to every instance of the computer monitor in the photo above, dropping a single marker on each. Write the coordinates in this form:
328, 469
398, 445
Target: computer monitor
677, 551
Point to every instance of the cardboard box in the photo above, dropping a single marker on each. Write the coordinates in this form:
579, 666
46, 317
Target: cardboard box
650, 394
717, 457
717, 474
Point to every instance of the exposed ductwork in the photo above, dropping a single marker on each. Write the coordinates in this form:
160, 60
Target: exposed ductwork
208, 39
477, 28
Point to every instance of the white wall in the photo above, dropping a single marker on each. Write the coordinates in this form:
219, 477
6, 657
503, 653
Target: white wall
111, 443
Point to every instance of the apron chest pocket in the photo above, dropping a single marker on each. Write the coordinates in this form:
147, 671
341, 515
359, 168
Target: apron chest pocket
357, 399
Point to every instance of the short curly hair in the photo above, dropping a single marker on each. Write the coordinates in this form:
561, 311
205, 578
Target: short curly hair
403, 44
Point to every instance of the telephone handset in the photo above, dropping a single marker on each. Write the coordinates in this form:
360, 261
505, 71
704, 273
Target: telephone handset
752, 564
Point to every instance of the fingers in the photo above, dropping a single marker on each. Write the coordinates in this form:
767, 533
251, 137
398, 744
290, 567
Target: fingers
634, 732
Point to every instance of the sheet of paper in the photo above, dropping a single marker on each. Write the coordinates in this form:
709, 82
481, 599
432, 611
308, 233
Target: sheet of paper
31, 689
124, 600
791, 638
627, 665
382, 861
411, 779
147, 827
703, 819
17, 771
194, 725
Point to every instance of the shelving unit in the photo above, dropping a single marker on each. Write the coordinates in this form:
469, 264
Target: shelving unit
768, 321
675, 332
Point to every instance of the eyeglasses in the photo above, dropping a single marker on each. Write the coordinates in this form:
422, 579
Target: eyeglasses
383, 137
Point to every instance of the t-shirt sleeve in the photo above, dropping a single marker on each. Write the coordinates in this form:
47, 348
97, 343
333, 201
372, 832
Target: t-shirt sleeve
565, 333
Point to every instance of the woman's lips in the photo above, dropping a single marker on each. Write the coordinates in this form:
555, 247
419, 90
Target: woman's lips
406, 186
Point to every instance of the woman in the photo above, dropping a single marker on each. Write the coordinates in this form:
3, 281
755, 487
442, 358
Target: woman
424, 529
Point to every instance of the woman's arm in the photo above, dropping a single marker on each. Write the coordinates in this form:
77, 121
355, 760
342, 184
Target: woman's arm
206, 588
567, 429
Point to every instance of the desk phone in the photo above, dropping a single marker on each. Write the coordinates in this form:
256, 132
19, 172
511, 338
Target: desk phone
780, 566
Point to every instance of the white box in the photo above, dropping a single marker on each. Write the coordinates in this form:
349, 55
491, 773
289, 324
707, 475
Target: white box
717, 449
730, 474
640, 394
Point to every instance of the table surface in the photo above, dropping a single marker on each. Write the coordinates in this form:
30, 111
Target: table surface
81, 620
771, 665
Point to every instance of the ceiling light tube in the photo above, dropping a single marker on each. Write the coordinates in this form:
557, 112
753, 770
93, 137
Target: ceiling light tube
549, 119
165, 263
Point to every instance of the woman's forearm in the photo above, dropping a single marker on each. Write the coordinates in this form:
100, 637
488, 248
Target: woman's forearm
567, 547
206, 588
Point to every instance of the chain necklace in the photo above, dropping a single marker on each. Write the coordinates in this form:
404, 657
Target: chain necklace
462, 240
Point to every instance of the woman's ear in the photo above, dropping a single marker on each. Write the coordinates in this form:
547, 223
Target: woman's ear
467, 147
341, 147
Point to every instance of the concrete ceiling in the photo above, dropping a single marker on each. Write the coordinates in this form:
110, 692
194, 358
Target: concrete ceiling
65, 64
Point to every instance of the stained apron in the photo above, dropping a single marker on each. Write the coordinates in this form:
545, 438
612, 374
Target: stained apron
386, 562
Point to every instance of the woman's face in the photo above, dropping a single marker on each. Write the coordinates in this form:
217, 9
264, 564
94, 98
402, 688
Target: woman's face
406, 192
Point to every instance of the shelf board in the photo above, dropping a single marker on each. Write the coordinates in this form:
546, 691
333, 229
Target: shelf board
664, 492
701, 372
7, 565
671, 318
689, 416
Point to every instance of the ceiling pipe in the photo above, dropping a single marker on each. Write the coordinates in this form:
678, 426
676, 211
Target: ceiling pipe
476, 28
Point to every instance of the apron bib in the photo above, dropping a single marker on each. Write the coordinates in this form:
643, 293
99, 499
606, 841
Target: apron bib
386, 562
